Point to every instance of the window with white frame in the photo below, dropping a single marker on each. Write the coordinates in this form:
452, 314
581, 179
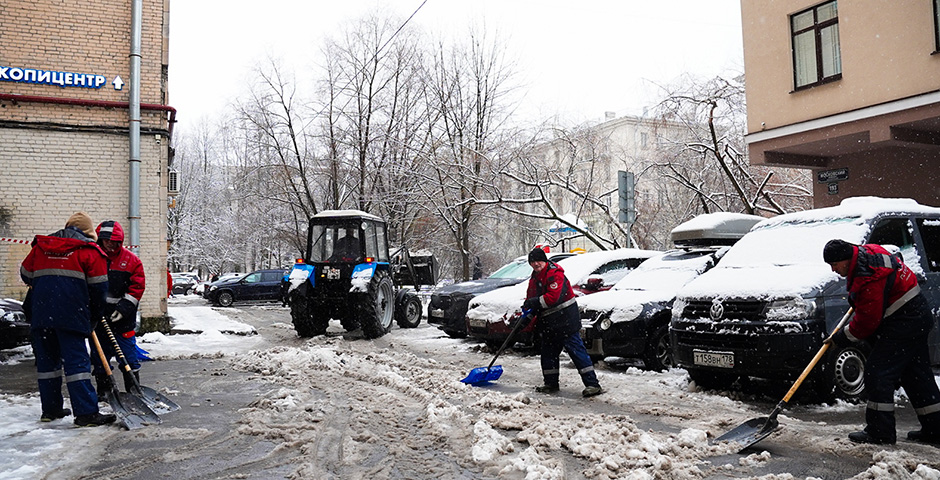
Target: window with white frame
815, 36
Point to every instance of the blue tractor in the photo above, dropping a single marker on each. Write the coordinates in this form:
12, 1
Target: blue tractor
350, 276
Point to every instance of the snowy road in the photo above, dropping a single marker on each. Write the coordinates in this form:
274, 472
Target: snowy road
273, 405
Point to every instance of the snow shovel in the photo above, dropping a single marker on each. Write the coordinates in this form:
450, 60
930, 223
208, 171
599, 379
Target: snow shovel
132, 411
154, 399
482, 375
757, 429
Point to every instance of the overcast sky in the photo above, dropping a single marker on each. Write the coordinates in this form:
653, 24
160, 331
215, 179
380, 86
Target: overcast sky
576, 59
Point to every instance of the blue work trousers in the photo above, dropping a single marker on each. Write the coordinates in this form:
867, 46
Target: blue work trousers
57, 350
553, 344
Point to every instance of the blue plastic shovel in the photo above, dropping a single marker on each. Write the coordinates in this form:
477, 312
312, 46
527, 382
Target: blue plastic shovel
483, 375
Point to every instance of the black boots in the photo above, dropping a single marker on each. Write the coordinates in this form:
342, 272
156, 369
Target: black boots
94, 419
48, 417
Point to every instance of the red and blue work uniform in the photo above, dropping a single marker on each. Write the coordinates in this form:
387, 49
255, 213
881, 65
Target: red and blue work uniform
68, 278
559, 324
126, 284
893, 315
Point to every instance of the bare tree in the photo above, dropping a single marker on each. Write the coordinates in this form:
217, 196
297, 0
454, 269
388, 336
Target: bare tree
714, 114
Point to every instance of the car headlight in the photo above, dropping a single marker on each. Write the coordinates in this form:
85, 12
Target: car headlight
605, 324
796, 308
212, 288
678, 306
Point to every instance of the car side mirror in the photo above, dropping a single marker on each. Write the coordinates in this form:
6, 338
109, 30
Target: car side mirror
594, 282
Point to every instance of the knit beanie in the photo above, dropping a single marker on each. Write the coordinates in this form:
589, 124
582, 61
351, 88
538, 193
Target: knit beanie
82, 221
837, 251
537, 255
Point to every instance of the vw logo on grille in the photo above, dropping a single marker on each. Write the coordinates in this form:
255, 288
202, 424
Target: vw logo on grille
717, 310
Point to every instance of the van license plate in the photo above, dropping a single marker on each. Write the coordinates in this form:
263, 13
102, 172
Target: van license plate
713, 359
437, 312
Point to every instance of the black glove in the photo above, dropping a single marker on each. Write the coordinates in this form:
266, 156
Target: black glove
533, 303
523, 319
840, 340
126, 308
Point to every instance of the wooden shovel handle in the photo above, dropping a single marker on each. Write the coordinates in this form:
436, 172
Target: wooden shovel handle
104, 360
819, 354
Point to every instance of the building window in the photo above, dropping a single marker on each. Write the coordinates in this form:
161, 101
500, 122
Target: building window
644, 141
936, 25
816, 57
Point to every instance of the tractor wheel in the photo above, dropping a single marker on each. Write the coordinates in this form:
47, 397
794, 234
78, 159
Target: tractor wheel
408, 315
375, 308
350, 322
306, 322
226, 299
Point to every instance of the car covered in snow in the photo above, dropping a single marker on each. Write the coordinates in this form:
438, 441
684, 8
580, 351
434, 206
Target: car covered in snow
490, 315
448, 306
14, 329
631, 320
765, 310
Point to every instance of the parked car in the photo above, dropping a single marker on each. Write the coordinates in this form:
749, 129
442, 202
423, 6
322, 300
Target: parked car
490, 315
631, 320
448, 306
765, 310
184, 283
257, 285
14, 329
225, 277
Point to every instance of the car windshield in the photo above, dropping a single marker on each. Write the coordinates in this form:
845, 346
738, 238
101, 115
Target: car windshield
513, 270
669, 271
793, 242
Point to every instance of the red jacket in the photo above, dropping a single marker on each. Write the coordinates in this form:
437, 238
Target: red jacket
550, 285
125, 289
872, 292
68, 276
559, 313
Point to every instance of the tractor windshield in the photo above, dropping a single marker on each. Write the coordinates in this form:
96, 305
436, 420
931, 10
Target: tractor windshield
336, 243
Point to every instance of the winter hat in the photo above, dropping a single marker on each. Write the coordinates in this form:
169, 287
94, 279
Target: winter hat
82, 221
837, 251
537, 255
110, 230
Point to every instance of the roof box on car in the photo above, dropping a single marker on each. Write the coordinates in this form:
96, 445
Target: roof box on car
721, 228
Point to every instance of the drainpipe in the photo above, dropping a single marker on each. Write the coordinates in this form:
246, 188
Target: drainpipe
133, 190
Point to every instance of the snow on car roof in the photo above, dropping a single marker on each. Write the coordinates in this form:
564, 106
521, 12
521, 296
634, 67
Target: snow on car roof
792, 245
655, 280
710, 228
499, 303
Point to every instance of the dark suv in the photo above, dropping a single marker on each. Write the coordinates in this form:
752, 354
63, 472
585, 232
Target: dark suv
448, 306
771, 301
632, 319
257, 285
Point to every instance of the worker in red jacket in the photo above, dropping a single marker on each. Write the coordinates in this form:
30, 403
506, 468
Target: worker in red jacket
892, 314
557, 323
68, 276
125, 288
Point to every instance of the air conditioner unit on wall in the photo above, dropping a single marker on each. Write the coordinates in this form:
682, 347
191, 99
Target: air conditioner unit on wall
173, 183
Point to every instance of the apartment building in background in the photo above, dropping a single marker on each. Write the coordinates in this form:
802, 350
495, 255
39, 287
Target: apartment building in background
66, 123
849, 89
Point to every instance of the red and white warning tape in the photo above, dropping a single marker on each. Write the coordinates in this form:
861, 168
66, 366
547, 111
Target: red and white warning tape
27, 242
14, 240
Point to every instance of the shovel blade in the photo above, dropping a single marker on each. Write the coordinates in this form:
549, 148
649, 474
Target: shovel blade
157, 401
130, 420
751, 432
482, 375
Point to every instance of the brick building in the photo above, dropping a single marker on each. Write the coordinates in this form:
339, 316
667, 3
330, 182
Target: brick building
66, 127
